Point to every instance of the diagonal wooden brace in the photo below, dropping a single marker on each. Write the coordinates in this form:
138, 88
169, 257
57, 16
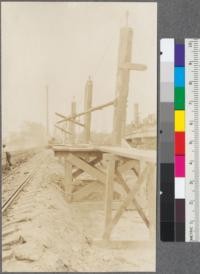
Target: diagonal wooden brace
134, 200
93, 162
124, 205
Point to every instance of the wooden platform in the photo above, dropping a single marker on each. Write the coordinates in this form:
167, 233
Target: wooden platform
130, 153
87, 159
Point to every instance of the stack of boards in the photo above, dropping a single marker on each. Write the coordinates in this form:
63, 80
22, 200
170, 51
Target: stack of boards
179, 140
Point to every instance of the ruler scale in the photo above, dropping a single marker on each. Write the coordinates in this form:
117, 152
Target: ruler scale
179, 140
192, 139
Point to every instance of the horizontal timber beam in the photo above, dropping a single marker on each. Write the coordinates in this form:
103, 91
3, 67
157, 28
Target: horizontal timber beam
67, 118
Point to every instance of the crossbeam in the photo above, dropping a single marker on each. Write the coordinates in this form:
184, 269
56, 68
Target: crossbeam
62, 129
131, 66
67, 118
93, 162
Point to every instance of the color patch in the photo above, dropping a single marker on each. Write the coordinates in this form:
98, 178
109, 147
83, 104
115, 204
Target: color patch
179, 120
180, 166
179, 188
179, 99
179, 76
179, 143
166, 74
179, 55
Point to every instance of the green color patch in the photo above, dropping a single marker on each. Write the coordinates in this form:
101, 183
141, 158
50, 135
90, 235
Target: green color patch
179, 99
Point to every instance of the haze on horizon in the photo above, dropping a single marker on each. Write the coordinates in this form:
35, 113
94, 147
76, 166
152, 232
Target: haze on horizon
59, 45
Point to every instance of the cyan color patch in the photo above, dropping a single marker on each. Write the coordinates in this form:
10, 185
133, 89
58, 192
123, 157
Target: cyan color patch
179, 76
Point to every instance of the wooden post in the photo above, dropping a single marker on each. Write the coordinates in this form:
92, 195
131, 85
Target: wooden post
68, 180
87, 106
109, 191
124, 57
122, 86
72, 124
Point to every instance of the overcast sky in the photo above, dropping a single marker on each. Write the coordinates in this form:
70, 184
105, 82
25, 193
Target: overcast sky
59, 45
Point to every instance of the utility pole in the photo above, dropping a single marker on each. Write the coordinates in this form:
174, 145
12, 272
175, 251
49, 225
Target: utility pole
47, 110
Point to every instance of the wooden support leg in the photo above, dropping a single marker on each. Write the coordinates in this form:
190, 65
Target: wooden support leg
68, 180
124, 205
151, 192
134, 200
109, 192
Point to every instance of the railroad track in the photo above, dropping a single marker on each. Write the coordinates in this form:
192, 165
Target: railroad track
11, 193
7, 202
17, 207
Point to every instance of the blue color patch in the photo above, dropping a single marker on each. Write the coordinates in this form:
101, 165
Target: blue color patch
179, 76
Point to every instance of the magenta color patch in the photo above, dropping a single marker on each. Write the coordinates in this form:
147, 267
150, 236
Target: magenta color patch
180, 166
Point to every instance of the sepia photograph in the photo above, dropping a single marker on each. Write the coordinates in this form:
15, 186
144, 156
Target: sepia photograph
79, 131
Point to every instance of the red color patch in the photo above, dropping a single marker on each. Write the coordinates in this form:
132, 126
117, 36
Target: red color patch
179, 143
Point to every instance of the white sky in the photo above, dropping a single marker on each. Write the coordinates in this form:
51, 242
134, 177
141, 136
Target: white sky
59, 45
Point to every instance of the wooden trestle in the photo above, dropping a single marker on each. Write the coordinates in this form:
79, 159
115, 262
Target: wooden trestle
85, 159
88, 158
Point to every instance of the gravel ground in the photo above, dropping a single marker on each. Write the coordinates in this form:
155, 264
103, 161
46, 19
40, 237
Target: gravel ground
58, 236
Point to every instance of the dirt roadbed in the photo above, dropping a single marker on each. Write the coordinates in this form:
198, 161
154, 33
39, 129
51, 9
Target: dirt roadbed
48, 234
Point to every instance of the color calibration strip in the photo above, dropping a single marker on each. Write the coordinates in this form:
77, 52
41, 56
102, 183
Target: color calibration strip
166, 140
179, 141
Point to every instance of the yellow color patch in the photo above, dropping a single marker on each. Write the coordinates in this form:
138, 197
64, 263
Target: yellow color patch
179, 120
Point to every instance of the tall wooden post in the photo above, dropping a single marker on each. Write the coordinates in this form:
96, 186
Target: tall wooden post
122, 86
72, 124
87, 106
124, 57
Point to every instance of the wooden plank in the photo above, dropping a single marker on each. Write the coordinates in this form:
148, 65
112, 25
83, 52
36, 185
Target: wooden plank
93, 162
68, 179
76, 148
121, 181
131, 164
109, 190
68, 118
93, 171
130, 153
85, 112
83, 165
134, 200
124, 205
